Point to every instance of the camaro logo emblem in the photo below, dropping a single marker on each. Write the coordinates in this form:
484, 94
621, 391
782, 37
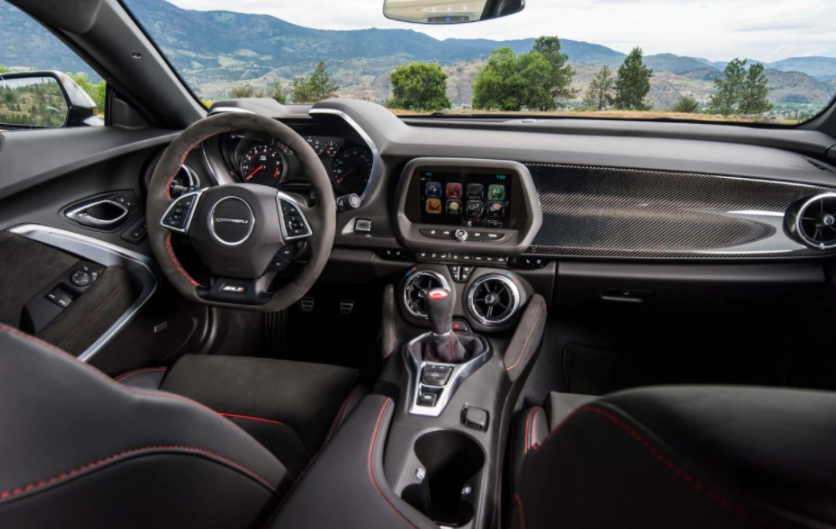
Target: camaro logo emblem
224, 220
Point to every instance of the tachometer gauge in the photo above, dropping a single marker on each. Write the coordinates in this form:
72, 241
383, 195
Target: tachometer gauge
352, 170
316, 145
262, 164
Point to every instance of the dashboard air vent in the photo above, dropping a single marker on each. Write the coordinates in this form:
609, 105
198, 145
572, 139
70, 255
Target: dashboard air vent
417, 287
493, 299
813, 221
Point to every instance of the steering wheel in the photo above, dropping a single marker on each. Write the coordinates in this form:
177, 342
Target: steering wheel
244, 233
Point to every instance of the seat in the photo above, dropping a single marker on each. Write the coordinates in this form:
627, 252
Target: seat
291, 408
80, 449
685, 457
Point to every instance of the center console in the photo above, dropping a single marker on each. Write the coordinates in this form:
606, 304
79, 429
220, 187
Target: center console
460, 333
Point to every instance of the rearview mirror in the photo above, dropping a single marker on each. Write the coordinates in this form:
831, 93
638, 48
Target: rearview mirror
449, 11
35, 100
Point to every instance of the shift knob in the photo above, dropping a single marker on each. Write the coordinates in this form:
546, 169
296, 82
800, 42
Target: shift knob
440, 310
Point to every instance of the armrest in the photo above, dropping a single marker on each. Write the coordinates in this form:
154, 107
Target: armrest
345, 485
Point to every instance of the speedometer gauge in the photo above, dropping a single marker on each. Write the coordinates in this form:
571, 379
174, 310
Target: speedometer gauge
352, 170
262, 164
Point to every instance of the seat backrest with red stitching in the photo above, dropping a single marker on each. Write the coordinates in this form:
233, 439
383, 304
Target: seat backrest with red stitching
78, 449
693, 457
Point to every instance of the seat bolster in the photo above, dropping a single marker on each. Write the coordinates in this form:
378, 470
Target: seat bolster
530, 428
561, 405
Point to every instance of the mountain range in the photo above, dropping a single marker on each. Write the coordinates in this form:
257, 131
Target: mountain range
215, 50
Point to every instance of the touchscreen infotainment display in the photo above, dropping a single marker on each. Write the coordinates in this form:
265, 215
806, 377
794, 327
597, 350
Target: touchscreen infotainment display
466, 199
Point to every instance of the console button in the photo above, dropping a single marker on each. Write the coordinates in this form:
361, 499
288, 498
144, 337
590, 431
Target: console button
466, 271
59, 297
493, 236
475, 418
427, 399
456, 272
461, 326
83, 277
434, 378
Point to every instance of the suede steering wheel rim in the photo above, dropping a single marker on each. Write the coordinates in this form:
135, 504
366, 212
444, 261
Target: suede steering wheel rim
265, 225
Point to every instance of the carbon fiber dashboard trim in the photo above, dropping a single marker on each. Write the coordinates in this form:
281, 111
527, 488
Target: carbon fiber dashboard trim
606, 212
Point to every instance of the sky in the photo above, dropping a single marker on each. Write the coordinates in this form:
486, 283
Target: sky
718, 30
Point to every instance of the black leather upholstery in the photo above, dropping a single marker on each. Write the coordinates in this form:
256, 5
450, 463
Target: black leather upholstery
533, 425
686, 457
291, 408
79, 449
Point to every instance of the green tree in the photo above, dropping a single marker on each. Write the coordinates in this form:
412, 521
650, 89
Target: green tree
3, 69
686, 105
419, 86
276, 90
314, 88
729, 89
754, 96
511, 82
599, 95
633, 82
97, 92
559, 84
242, 91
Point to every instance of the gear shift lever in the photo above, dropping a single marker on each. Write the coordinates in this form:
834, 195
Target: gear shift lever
440, 303
444, 345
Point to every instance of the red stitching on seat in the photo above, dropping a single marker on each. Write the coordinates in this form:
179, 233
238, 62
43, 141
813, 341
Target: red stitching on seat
525, 345
657, 454
177, 264
50, 347
94, 311
520, 509
129, 374
127, 453
250, 417
371, 465
338, 419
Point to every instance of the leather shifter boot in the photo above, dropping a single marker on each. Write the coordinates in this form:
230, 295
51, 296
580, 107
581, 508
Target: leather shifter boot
444, 345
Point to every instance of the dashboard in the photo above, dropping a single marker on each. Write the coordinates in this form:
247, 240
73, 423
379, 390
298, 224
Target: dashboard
534, 193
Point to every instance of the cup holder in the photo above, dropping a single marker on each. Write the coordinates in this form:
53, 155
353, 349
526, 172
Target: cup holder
452, 461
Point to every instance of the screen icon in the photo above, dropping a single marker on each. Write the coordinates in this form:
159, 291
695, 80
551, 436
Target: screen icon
454, 207
432, 190
496, 209
475, 191
454, 191
434, 206
474, 207
496, 192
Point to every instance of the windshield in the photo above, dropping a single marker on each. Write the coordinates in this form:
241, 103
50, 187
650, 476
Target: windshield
742, 61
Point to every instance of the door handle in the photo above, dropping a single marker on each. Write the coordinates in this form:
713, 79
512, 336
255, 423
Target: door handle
100, 213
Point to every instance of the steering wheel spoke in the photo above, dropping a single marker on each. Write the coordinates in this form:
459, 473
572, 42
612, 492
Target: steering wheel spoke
294, 221
178, 217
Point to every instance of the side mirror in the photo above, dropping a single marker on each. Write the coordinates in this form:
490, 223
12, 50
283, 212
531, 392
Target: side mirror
35, 100
449, 11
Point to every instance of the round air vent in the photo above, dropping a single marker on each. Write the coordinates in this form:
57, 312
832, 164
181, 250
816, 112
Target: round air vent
416, 289
493, 299
813, 221
184, 182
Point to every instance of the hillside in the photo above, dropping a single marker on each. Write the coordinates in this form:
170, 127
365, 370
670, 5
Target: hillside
213, 52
